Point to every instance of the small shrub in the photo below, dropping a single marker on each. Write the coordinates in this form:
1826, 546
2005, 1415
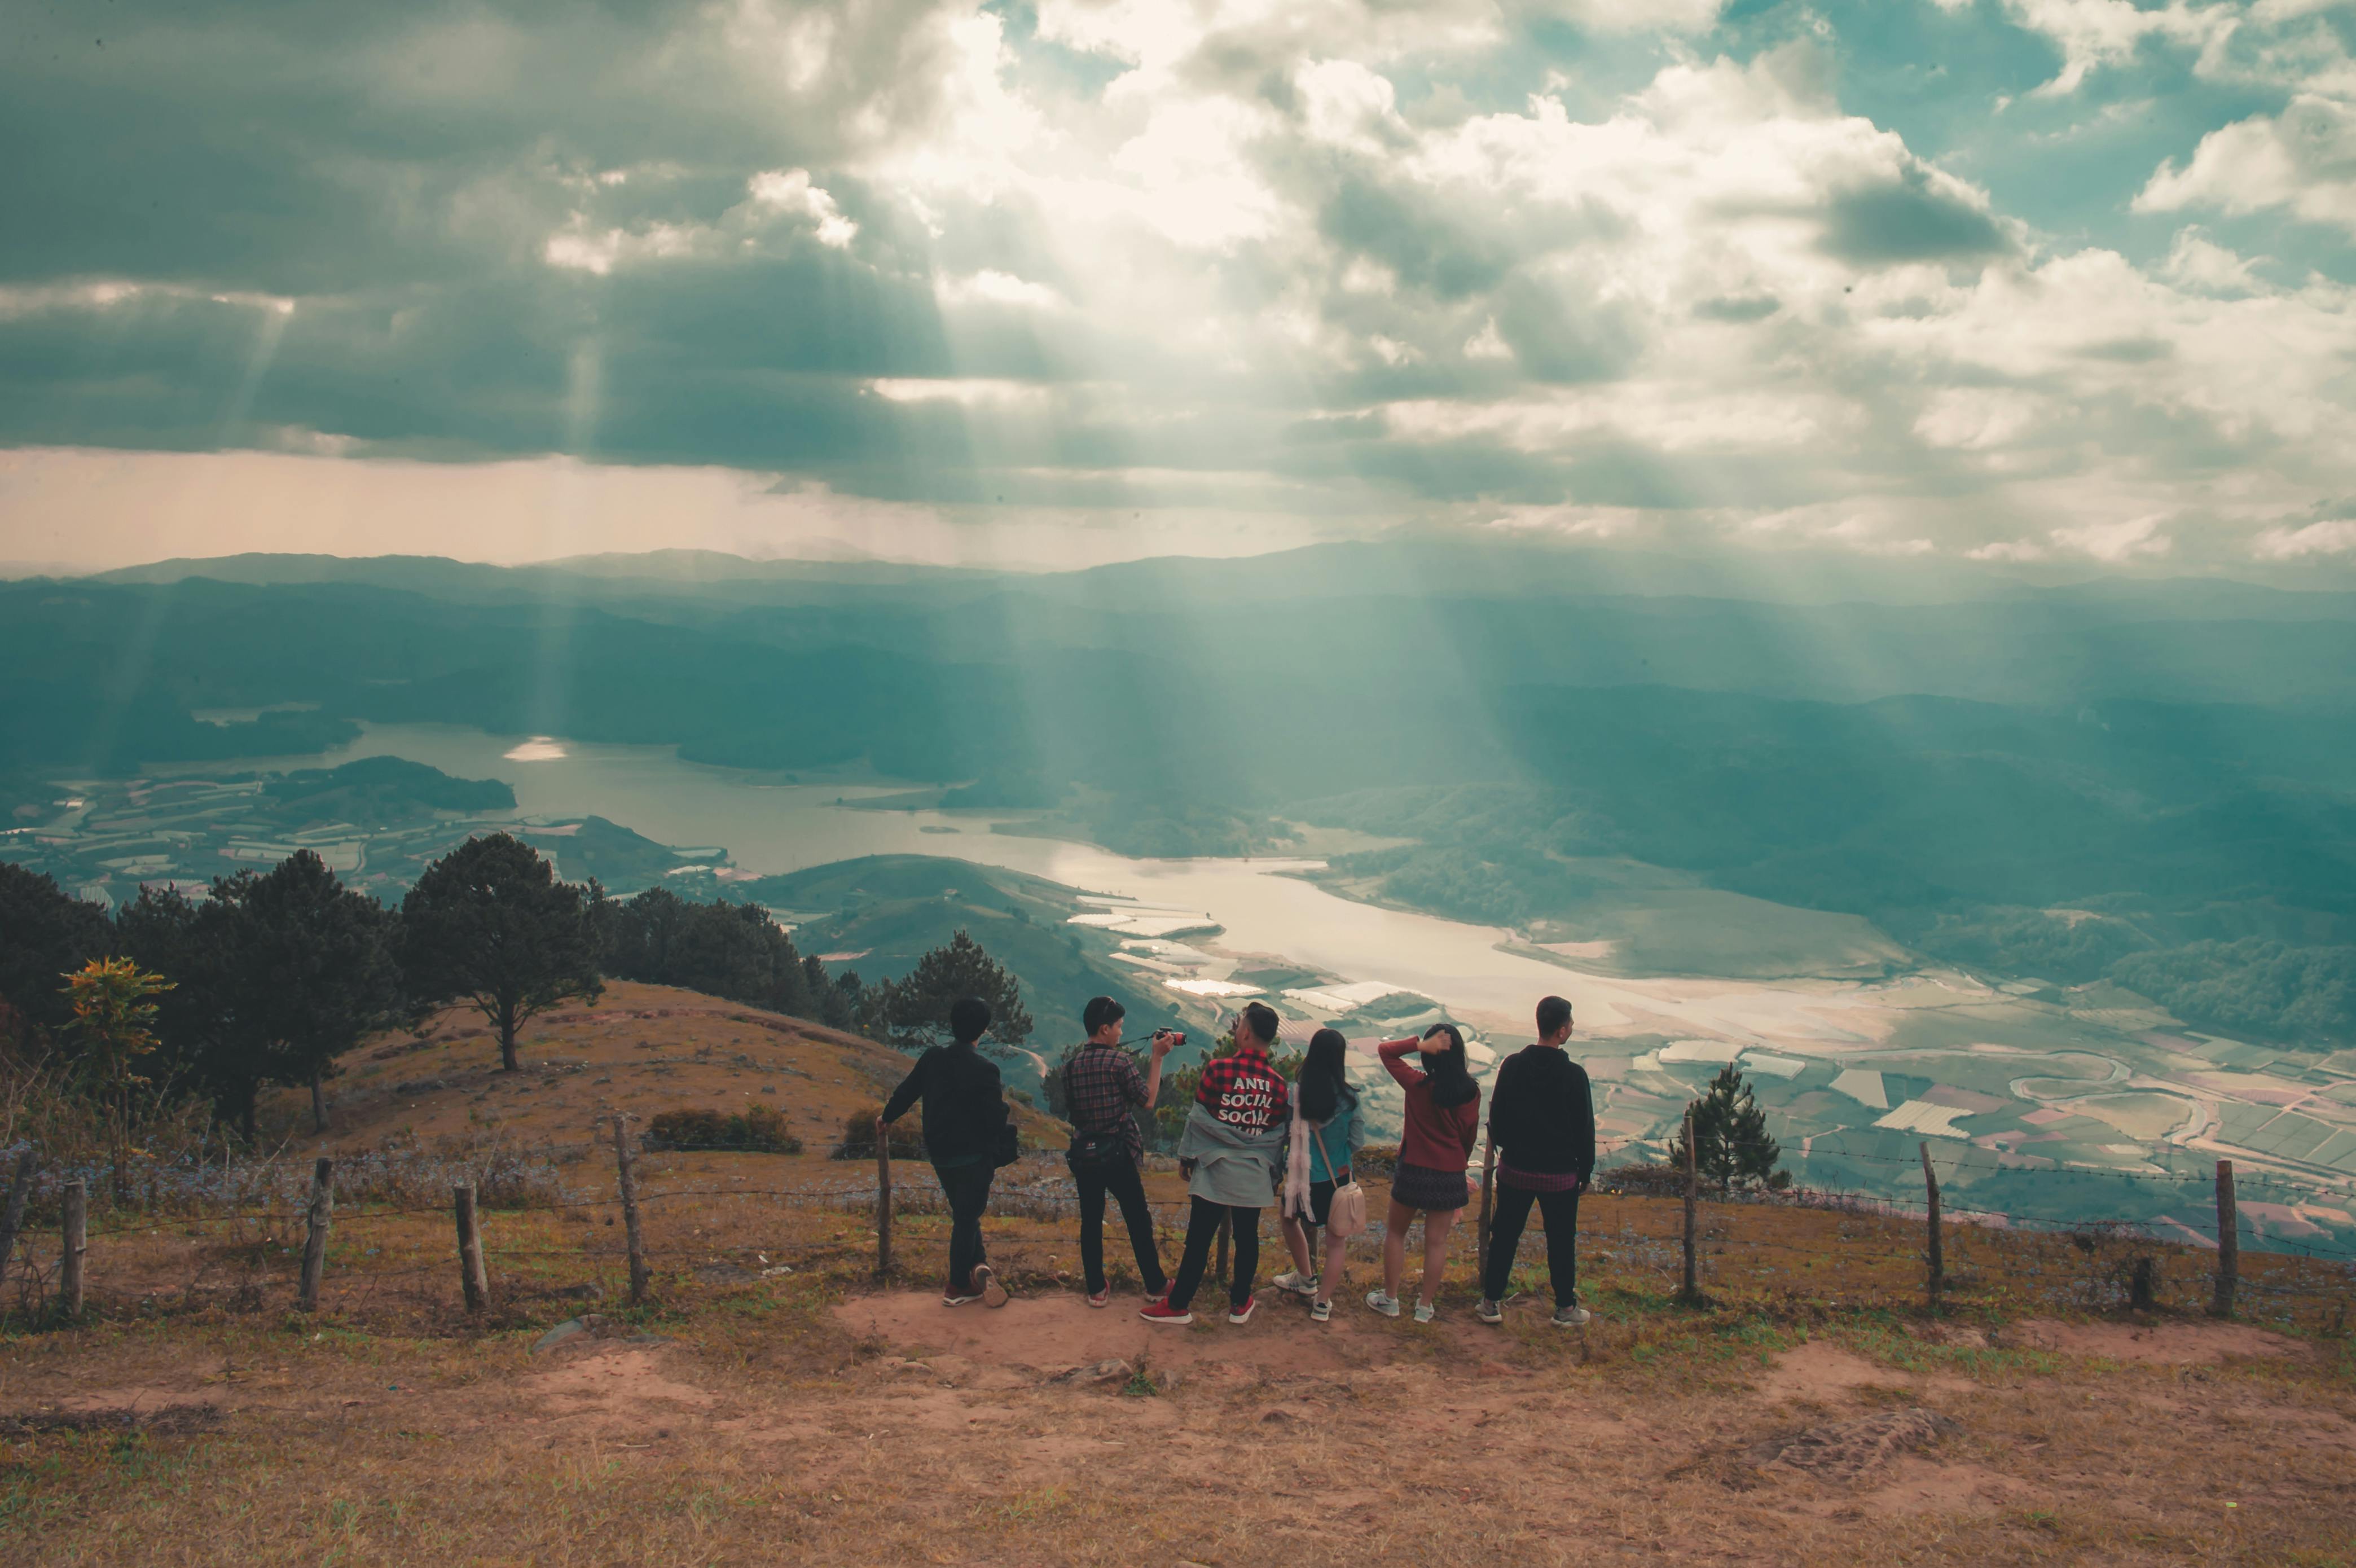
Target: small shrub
858, 1136
758, 1128
1644, 1180
2122, 1269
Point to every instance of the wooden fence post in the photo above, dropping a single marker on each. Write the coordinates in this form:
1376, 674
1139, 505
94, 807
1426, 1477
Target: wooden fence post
314, 1245
1938, 1278
1481, 1248
1691, 1293
627, 1177
12, 1219
76, 1242
2229, 1242
472, 1276
882, 1200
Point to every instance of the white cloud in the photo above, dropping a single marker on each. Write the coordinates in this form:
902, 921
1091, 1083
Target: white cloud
2116, 542
1637, 15
991, 286
790, 191
967, 390
2009, 550
2095, 33
2196, 262
1978, 418
2303, 159
2333, 536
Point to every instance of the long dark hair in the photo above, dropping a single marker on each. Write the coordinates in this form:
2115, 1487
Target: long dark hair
1324, 1077
1451, 1079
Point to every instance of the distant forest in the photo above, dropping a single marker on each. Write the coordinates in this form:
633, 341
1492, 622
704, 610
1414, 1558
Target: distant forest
2144, 784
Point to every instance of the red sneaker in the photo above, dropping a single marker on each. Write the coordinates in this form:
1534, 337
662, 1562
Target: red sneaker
1100, 1297
1158, 1310
1243, 1314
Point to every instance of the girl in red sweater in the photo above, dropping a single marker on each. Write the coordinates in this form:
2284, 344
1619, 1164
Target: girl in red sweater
1443, 1123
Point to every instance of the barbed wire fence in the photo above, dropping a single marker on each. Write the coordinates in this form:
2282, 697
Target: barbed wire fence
345, 1230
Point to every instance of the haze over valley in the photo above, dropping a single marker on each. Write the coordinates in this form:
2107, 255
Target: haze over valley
2054, 876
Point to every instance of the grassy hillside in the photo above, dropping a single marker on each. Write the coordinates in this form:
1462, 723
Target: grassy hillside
641, 1049
773, 1400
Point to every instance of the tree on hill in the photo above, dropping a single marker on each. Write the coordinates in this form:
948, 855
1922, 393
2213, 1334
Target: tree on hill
202, 1048
1730, 1141
316, 970
913, 1011
45, 934
490, 924
735, 951
114, 1005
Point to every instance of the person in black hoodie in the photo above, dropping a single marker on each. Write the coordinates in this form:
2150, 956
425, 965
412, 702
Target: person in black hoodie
1542, 1120
965, 1117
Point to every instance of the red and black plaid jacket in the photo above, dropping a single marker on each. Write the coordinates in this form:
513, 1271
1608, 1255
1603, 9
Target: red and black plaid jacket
1243, 1090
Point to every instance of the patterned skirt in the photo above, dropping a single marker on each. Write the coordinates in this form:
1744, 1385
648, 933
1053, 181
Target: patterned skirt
1421, 1187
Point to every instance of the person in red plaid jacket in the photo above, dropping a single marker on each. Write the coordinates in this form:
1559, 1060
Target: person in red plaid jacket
1234, 1138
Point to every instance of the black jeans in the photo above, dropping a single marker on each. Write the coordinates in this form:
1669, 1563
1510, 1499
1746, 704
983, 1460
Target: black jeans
1128, 1189
1202, 1228
967, 1187
1559, 1211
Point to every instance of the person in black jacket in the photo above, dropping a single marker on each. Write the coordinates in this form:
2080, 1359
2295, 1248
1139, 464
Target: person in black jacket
1542, 1120
964, 1115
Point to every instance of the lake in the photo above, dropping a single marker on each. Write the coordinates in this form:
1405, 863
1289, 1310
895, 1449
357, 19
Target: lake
772, 827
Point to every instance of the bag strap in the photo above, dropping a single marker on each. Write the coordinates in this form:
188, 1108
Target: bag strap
1318, 1133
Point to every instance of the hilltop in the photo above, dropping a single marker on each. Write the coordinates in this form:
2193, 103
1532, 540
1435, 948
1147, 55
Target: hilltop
639, 1049
774, 1400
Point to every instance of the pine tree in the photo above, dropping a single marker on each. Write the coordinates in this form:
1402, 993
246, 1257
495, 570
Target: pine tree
43, 933
1730, 1141
316, 970
490, 924
913, 1011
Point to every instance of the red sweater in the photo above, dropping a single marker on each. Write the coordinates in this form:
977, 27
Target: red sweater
1436, 1139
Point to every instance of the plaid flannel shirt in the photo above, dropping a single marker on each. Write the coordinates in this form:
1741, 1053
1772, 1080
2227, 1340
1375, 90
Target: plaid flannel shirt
1101, 1083
1243, 1090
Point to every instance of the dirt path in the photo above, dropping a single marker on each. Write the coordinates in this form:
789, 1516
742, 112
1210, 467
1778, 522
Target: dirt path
884, 1427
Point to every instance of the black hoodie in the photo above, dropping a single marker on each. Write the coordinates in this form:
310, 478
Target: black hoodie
1541, 1115
964, 1107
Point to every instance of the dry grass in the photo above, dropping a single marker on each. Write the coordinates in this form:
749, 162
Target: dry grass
804, 1417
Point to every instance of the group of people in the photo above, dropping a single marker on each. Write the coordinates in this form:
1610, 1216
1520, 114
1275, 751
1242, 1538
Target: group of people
1253, 1141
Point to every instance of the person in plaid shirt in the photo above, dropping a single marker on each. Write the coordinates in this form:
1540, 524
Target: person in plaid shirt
1102, 1092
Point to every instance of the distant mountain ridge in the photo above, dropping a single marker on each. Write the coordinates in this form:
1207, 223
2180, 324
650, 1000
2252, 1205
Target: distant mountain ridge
1340, 569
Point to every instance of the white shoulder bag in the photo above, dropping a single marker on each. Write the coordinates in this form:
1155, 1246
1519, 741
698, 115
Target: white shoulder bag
1345, 1215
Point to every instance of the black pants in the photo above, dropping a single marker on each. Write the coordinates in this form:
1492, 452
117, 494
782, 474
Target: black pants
967, 1187
1202, 1229
1560, 1212
1128, 1189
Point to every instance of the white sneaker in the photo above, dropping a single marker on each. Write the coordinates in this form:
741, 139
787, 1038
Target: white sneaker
1319, 1311
1297, 1283
1425, 1312
1385, 1305
1571, 1317
1490, 1311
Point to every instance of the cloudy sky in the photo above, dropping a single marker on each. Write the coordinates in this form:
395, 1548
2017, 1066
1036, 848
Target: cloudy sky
2067, 283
